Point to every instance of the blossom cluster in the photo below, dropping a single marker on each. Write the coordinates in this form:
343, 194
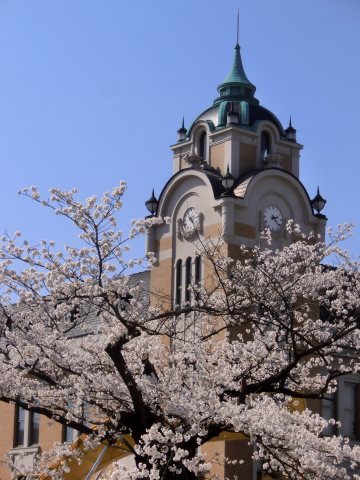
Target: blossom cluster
80, 343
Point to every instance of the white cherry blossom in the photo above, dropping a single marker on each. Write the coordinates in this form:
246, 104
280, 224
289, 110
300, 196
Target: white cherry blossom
81, 344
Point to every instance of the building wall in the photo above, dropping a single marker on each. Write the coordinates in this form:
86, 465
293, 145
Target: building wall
50, 432
6, 436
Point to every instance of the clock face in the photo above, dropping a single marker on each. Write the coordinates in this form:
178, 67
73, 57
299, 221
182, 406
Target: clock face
273, 218
190, 221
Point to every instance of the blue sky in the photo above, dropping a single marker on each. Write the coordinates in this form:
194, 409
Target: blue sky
92, 92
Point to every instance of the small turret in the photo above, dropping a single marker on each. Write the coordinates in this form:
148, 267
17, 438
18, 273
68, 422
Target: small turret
181, 133
290, 132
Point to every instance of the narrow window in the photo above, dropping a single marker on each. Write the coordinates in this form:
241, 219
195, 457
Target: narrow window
328, 412
350, 420
202, 146
86, 414
197, 270
34, 428
265, 145
197, 275
178, 282
188, 280
19, 427
68, 434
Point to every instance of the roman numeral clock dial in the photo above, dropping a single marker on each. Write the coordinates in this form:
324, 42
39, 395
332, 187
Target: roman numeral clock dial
273, 218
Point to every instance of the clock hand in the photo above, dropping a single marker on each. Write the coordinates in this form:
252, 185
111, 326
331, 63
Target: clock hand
276, 219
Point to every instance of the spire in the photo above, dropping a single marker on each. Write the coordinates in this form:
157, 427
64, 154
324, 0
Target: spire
182, 132
290, 132
237, 73
236, 85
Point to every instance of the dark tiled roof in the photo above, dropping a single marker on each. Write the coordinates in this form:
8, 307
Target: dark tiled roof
90, 323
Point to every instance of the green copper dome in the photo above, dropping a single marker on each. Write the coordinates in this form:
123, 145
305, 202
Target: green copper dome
236, 95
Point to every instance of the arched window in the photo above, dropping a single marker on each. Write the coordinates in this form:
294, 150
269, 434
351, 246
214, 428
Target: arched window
197, 274
202, 145
265, 145
188, 280
178, 282
197, 270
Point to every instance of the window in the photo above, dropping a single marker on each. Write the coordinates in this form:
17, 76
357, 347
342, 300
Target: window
188, 279
344, 407
19, 427
69, 434
192, 272
197, 274
328, 412
187, 326
34, 428
197, 270
178, 282
350, 420
27, 428
202, 145
265, 145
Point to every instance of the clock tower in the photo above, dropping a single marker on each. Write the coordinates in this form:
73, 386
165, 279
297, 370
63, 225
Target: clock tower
235, 173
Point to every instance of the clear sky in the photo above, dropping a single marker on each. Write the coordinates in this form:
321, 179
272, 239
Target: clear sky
93, 91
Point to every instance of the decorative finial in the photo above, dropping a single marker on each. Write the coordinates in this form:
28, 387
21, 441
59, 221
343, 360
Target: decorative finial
290, 132
182, 132
237, 29
236, 85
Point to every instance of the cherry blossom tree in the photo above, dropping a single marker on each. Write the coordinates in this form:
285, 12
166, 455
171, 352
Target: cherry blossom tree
81, 344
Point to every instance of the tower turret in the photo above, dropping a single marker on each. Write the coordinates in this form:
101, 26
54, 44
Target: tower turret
290, 132
182, 132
